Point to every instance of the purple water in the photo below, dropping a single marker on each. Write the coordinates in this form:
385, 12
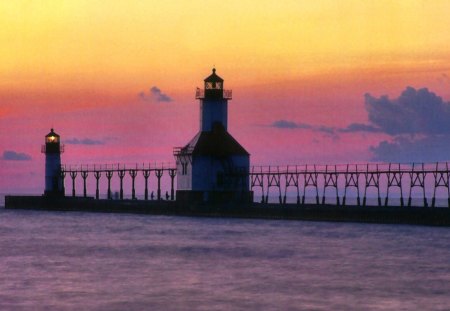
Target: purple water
82, 261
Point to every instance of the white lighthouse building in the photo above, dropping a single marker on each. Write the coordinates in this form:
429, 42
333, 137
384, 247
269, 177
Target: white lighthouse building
213, 166
53, 180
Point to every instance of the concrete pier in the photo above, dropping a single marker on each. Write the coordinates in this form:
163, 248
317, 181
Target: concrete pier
368, 214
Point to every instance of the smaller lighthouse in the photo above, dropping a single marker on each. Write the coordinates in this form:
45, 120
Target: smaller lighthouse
53, 149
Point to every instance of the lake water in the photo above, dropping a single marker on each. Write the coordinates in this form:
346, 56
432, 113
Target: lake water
86, 261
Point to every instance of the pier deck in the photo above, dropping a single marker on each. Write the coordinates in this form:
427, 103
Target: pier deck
311, 212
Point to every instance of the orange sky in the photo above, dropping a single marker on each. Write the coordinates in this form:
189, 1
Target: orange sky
79, 65
66, 45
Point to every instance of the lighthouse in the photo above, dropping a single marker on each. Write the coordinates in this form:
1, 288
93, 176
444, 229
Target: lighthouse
52, 150
213, 166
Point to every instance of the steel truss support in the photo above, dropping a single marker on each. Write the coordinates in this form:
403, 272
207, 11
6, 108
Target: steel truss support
372, 179
257, 180
330, 180
97, 176
417, 179
291, 180
84, 175
172, 174
274, 180
351, 180
109, 175
146, 174
394, 176
441, 179
310, 180
159, 174
73, 175
121, 174
133, 174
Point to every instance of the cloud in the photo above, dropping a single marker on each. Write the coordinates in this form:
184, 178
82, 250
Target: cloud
84, 141
352, 128
360, 127
433, 148
413, 112
10, 155
417, 121
284, 124
160, 96
325, 129
155, 94
417, 124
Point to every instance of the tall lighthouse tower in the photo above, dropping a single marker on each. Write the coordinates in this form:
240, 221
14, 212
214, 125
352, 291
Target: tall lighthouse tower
52, 149
213, 166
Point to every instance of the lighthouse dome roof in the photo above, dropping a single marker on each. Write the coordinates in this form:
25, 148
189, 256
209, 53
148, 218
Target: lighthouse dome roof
52, 133
213, 77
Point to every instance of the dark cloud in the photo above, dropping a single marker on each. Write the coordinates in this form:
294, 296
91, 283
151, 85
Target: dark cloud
418, 123
155, 95
325, 129
407, 149
413, 112
352, 128
159, 96
84, 141
10, 155
284, 124
360, 127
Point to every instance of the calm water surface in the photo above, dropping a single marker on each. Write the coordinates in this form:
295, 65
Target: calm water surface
82, 261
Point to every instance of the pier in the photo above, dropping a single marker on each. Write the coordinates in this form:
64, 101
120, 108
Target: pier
120, 171
303, 184
340, 181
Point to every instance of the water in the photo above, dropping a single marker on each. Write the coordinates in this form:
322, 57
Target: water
82, 261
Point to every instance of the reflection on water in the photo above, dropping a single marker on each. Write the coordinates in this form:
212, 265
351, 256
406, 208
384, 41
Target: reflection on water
73, 261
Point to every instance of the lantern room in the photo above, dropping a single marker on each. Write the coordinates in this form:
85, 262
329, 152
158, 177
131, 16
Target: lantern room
213, 82
52, 138
213, 86
52, 143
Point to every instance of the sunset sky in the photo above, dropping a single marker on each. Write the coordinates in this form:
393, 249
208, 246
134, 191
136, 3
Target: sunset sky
117, 80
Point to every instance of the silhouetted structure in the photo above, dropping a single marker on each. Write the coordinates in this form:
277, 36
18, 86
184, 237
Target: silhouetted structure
213, 166
53, 182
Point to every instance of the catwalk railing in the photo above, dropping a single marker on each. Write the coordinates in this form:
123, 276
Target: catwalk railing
380, 179
298, 184
122, 170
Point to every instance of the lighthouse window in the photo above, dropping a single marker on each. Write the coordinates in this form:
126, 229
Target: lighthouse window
208, 86
183, 168
218, 85
52, 139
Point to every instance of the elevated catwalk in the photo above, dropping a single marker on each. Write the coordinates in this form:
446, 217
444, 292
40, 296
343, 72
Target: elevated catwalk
350, 184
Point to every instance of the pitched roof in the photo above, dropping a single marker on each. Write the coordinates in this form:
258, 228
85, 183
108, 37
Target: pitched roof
213, 77
52, 133
217, 143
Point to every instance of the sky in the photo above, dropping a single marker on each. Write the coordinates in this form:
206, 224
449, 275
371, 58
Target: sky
320, 81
